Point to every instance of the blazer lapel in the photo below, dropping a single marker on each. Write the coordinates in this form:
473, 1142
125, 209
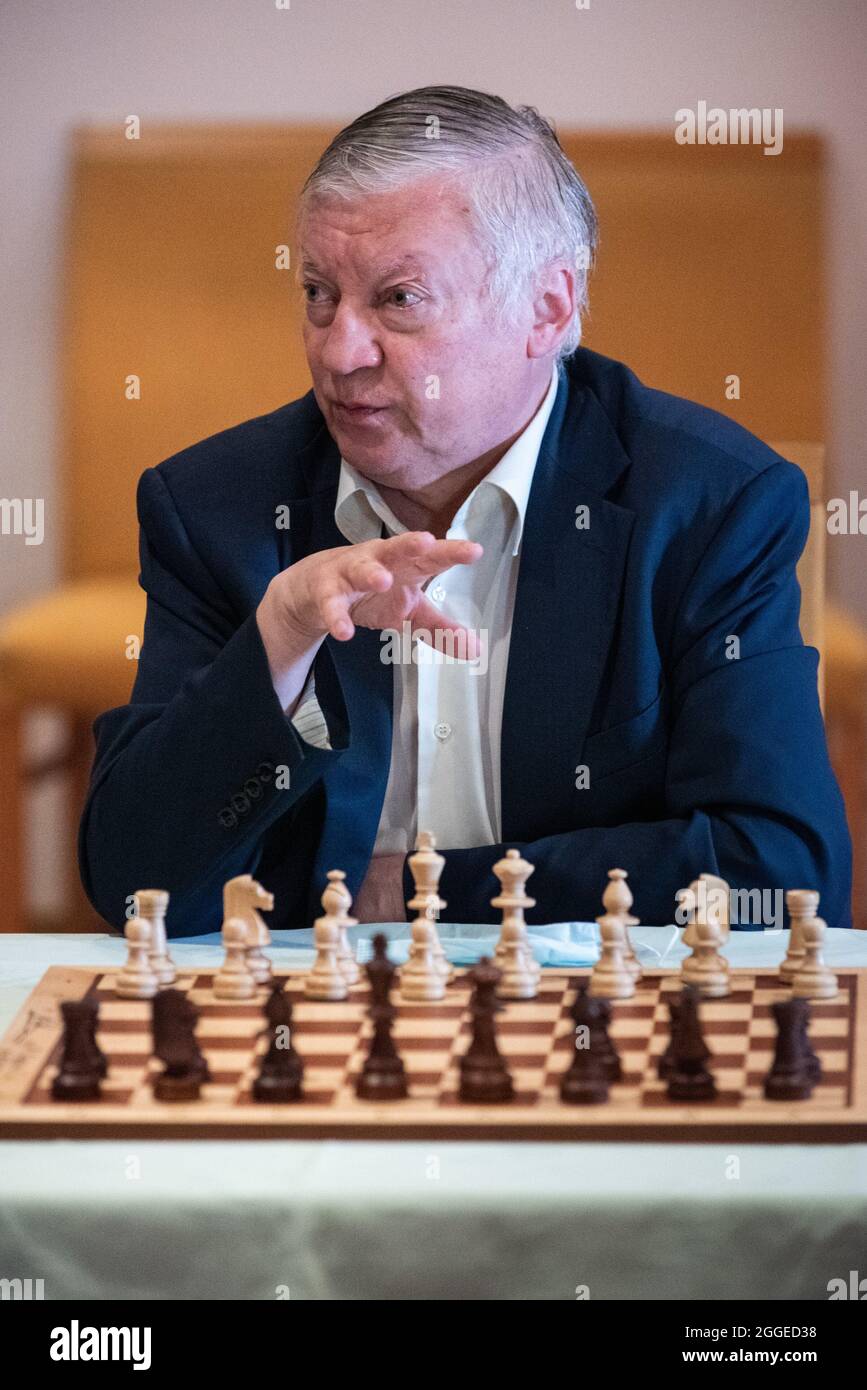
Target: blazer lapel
568, 590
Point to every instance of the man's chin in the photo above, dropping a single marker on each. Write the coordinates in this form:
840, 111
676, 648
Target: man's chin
376, 459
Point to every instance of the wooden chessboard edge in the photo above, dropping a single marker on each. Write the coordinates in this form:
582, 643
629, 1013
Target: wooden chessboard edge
595, 1131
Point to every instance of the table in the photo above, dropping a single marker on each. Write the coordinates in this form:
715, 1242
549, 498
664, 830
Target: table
344, 1220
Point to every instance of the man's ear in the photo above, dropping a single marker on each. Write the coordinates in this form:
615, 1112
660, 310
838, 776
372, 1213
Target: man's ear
553, 308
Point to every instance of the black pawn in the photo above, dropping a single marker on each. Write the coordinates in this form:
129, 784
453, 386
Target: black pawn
689, 1079
601, 1039
382, 1074
585, 1081
80, 1070
790, 1076
100, 1061
484, 1076
665, 1062
811, 1060
599, 1019
281, 1071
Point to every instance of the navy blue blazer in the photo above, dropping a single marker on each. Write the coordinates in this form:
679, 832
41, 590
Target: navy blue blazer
620, 661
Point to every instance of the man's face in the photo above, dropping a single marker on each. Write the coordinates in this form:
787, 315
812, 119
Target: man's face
398, 318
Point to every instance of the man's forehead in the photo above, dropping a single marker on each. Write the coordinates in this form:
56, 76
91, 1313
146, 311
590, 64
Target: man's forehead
416, 262
410, 240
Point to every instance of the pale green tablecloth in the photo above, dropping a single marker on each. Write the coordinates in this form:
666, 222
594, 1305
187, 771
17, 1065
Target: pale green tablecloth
434, 1220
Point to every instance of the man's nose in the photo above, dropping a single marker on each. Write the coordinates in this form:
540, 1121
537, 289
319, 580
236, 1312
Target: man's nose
349, 342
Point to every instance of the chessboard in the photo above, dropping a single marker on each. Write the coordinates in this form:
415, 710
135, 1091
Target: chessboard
536, 1038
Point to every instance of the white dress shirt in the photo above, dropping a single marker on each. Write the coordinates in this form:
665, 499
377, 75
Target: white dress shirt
445, 752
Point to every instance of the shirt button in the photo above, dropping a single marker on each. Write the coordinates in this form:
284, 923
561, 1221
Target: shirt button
438, 593
442, 731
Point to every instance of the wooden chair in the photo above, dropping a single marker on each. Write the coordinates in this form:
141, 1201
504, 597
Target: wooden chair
178, 323
846, 727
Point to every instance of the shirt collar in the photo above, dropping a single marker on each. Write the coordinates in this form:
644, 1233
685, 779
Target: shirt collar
360, 511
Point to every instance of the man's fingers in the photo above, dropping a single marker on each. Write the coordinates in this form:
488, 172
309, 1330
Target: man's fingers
464, 645
407, 545
420, 554
366, 575
446, 554
407, 561
457, 553
334, 609
361, 575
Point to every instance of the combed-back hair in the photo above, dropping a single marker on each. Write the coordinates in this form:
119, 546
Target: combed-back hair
528, 201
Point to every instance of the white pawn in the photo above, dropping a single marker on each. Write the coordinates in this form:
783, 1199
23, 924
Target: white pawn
426, 866
611, 977
152, 904
235, 979
707, 930
422, 979
337, 900
326, 980
814, 980
137, 980
617, 900
513, 955
803, 904
706, 968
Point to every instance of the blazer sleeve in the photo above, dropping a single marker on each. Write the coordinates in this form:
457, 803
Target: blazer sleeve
189, 776
749, 791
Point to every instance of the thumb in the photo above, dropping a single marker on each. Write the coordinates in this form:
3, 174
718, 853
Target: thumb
455, 640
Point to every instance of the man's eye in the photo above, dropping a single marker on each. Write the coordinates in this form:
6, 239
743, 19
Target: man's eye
308, 287
401, 298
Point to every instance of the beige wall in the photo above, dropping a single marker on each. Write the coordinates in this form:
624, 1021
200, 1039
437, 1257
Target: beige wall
620, 62
628, 62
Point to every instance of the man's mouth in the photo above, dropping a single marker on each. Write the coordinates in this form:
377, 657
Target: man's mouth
358, 413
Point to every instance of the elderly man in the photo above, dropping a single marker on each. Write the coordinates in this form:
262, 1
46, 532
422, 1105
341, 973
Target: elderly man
592, 583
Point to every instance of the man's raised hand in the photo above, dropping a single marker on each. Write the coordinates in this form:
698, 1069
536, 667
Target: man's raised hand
377, 584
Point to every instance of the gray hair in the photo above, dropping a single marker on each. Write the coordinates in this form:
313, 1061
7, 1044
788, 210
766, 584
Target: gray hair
530, 205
